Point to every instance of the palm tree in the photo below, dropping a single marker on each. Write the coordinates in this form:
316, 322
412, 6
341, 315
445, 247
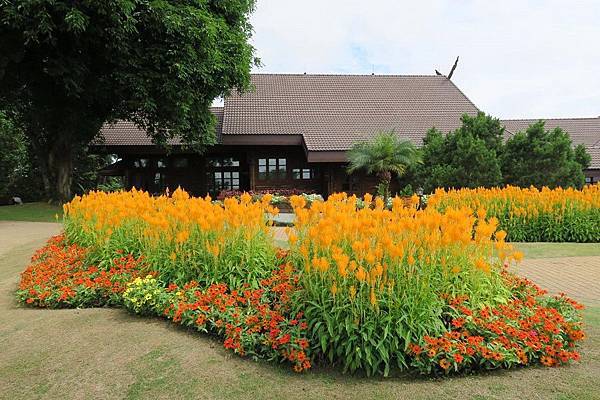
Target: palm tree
383, 155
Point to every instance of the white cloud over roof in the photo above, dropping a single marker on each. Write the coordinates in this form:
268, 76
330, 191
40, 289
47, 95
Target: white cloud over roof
519, 59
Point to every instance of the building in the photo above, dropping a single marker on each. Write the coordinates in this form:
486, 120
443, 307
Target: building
292, 132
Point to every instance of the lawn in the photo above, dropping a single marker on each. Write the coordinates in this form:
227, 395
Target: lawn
553, 250
109, 353
37, 212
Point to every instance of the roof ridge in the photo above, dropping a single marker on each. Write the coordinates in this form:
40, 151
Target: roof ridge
549, 119
464, 95
342, 74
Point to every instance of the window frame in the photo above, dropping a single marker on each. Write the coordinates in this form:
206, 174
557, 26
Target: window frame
272, 168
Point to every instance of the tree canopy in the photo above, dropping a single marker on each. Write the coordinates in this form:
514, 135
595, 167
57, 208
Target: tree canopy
68, 67
467, 157
541, 157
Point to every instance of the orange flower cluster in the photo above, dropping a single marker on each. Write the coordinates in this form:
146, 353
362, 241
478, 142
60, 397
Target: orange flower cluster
530, 214
530, 328
186, 237
255, 322
59, 277
374, 252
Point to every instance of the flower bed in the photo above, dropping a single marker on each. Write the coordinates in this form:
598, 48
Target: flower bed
532, 215
368, 289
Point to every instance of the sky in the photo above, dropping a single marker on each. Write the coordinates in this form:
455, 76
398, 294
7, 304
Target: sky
518, 59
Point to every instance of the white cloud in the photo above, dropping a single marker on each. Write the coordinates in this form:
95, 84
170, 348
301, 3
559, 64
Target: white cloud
518, 58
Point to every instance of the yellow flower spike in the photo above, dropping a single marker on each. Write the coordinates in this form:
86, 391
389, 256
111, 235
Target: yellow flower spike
361, 275
352, 266
372, 297
517, 256
334, 289
352, 292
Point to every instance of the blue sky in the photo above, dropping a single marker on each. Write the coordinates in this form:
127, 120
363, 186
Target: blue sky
519, 59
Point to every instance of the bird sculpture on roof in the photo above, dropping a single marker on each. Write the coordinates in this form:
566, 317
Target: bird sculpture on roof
451, 71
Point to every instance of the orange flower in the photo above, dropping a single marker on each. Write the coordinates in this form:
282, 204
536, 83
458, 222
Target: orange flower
445, 364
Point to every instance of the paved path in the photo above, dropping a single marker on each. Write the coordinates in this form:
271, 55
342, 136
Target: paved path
578, 277
14, 234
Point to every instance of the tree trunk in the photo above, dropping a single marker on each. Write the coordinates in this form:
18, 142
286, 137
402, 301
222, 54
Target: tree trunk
42, 156
386, 179
63, 163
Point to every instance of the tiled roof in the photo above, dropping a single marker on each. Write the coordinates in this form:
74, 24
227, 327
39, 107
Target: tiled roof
126, 133
332, 112
584, 131
595, 153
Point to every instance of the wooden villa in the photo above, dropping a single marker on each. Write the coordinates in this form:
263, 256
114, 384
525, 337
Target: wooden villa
293, 131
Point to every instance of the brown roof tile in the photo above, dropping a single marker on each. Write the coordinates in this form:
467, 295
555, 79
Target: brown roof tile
332, 112
126, 133
582, 130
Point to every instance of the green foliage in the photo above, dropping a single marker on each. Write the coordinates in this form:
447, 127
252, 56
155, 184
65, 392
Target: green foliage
384, 155
13, 155
467, 157
539, 157
19, 175
68, 67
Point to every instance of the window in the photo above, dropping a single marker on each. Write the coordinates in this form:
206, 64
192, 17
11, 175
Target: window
304, 173
350, 184
589, 180
180, 162
160, 182
161, 163
223, 162
272, 168
141, 163
262, 169
223, 173
224, 180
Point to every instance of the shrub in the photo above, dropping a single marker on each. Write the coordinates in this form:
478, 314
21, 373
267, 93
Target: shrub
539, 157
533, 215
467, 157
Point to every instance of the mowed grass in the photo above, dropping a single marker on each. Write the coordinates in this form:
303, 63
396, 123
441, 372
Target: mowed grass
553, 250
35, 212
108, 353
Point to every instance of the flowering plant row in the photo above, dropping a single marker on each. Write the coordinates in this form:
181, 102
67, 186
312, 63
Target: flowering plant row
533, 215
181, 237
370, 289
59, 277
529, 328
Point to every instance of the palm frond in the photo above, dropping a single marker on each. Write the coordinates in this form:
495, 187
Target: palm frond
385, 152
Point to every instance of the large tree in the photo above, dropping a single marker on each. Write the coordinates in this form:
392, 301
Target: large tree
67, 67
467, 157
541, 157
